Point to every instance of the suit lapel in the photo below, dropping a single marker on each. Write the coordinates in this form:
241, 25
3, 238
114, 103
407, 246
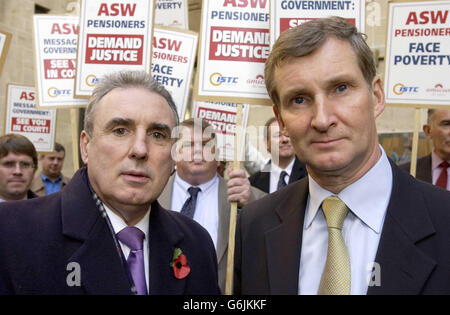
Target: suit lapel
164, 237
403, 267
283, 242
298, 171
265, 182
91, 243
423, 169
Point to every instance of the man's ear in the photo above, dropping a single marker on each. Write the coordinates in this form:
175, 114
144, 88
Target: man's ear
378, 95
84, 142
427, 130
280, 119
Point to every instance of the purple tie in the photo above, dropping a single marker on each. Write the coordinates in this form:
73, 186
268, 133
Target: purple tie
133, 238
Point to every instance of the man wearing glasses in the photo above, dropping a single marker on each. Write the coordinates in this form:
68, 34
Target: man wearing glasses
18, 163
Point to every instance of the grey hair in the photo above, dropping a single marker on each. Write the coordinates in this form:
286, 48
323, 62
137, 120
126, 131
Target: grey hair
124, 79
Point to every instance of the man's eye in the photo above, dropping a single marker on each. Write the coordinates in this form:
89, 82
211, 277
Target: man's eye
298, 100
120, 131
9, 164
158, 135
341, 87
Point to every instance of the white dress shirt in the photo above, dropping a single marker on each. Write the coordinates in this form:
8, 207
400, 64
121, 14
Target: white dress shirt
207, 206
275, 172
119, 224
367, 199
436, 169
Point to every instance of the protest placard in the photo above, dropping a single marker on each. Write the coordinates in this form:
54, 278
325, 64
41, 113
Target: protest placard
112, 37
23, 118
418, 54
286, 14
234, 46
222, 116
172, 13
5, 40
55, 50
174, 53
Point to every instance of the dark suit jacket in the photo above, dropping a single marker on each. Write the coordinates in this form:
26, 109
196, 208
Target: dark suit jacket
261, 179
413, 253
40, 238
423, 169
31, 194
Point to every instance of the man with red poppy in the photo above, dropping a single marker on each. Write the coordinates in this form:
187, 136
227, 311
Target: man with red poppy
105, 233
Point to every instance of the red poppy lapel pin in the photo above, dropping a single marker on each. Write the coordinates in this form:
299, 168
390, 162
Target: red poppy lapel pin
179, 264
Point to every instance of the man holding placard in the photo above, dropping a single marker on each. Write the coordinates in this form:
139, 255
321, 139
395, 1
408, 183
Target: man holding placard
357, 224
284, 167
434, 168
197, 191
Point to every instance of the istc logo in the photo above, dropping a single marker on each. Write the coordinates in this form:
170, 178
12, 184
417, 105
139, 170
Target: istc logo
400, 88
54, 92
217, 79
91, 80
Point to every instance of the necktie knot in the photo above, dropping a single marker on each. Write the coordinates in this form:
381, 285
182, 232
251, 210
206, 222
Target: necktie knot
335, 212
189, 205
444, 165
132, 237
193, 191
281, 181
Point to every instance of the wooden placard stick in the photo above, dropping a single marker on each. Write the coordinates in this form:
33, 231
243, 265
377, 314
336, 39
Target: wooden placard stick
233, 210
415, 143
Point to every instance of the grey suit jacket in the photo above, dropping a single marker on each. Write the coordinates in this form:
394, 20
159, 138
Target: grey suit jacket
165, 200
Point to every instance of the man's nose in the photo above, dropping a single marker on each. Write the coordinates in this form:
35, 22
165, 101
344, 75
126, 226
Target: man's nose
323, 114
17, 169
139, 147
284, 139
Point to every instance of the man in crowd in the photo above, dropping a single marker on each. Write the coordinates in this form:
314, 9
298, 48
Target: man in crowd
105, 233
357, 224
18, 163
50, 180
284, 167
434, 168
199, 192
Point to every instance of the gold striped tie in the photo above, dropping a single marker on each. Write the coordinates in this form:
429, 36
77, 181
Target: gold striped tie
336, 274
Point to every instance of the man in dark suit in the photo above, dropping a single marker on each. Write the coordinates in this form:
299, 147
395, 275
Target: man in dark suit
434, 167
105, 233
357, 224
284, 167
